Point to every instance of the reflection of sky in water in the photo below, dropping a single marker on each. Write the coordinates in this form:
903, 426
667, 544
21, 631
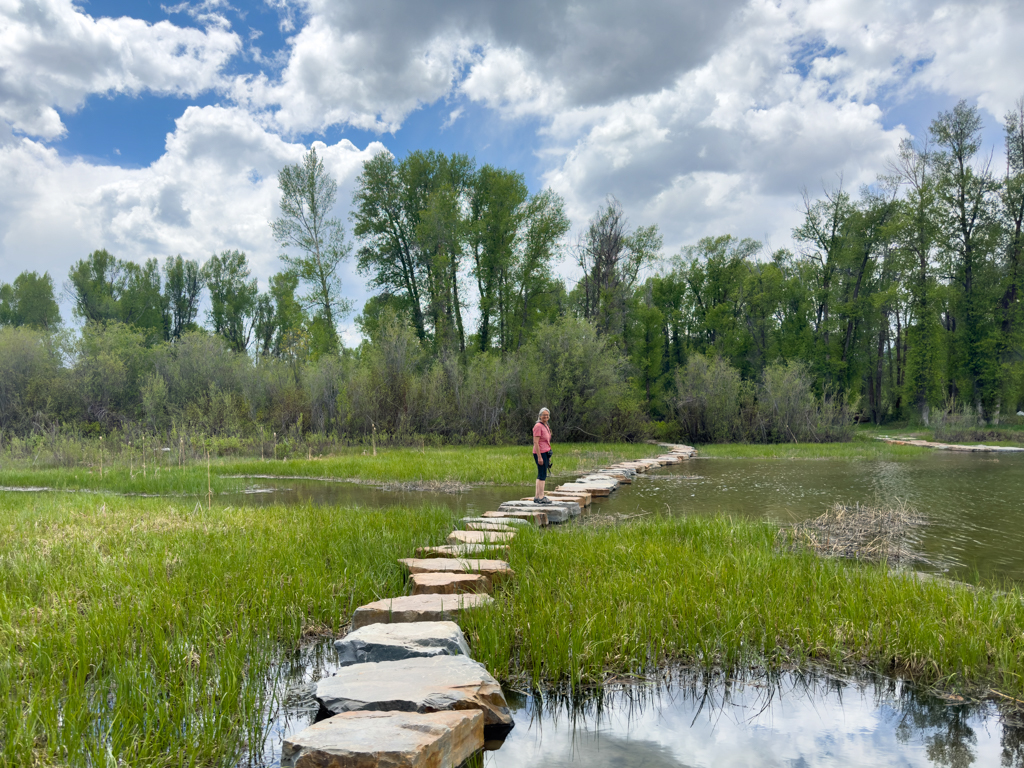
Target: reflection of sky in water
796, 723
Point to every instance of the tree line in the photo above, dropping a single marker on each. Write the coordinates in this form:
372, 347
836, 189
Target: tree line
895, 303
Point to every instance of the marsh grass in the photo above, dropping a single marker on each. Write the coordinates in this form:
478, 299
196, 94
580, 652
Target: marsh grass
860, 449
860, 532
139, 632
593, 602
507, 465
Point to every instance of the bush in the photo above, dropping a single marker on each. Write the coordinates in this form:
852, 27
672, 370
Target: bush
788, 410
707, 401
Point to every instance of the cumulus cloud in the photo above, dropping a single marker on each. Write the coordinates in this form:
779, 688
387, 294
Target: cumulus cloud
52, 56
215, 188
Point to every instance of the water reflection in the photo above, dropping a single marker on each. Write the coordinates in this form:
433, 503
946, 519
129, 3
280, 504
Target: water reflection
688, 720
789, 720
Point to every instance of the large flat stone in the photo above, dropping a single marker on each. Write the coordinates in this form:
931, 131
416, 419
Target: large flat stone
464, 550
394, 642
416, 685
580, 497
449, 583
495, 570
489, 526
507, 521
387, 740
480, 537
560, 500
402, 610
533, 516
557, 513
592, 488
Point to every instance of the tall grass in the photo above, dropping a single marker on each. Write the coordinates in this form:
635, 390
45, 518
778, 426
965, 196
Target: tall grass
591, 601
856, 450
136, 632
506, 465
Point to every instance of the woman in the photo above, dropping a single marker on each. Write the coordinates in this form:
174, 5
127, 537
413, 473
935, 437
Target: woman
542, 454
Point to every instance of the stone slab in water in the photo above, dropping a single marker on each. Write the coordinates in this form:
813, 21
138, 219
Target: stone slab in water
530, 515
464, 550
508, 521
402, 610
557, 513
394, 642
416, 685
495, 570
387, 739
580, 497
480, 537
449, 583
494, 527
592, 488
559, 500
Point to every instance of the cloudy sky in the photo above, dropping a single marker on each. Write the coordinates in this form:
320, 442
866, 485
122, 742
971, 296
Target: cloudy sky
152, 128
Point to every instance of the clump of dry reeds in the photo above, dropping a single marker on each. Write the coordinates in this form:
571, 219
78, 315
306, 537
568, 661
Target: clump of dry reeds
861, 532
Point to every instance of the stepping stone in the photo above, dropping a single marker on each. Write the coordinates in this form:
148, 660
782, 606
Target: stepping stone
449, 583
618, 478
537, 518
557, 513
479, 537
558, 500
464, 550
594, 489
495, 570
488, 526
416, 685
404, 610
393, 642
508, 521
393, 739
580, 497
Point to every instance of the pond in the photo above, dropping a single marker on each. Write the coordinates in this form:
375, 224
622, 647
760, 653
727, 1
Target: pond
974, 502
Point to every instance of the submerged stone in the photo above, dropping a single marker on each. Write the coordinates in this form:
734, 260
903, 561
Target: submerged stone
416, 685
480, 537
387, 740
528, 515
401, 610
464, 550
556, 513
394, 642
449, 583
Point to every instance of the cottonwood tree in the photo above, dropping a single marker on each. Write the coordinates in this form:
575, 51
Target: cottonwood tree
308, 195
234, 307
183, 284
29, 301
106, 288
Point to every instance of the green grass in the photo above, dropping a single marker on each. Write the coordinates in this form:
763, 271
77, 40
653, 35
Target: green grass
507, 465
593, 601
856, 450
137, 629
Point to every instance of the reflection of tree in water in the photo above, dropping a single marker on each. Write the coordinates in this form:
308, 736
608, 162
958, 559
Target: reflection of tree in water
1012, 742
951, 744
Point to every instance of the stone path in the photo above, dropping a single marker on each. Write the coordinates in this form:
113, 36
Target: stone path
409, 695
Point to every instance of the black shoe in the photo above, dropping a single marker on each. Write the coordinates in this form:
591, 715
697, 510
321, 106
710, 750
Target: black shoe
537, 501
544, 500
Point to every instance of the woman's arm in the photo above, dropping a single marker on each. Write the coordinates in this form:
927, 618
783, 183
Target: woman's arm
536, 448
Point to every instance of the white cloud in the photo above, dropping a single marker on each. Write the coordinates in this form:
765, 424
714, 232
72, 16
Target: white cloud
215, 188
52, 56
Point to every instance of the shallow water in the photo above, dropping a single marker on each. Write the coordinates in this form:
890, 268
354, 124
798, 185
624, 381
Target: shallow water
686, 721
973, 502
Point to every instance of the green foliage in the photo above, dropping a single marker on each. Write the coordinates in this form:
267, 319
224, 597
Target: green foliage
234, 298
308, 194
29, 301
183, 284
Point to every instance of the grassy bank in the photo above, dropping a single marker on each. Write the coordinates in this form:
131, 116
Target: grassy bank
139, 629
858, 450
504, 465
590, 601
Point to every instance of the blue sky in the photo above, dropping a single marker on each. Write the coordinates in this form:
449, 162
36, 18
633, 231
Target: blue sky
152, 129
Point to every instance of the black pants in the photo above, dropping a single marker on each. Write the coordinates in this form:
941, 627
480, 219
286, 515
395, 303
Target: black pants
543, 466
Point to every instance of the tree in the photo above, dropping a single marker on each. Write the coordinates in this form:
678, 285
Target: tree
611, 257
106, 288
1011, 211
308, 194
29, 301
183, 283
233, 298
966, 216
